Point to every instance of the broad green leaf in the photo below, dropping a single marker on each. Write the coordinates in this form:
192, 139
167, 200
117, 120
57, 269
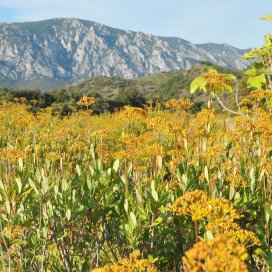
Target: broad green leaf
68, 214
133, 219
45, 185
256, 82
253, 54
2, 188
229, 89
251, 72
230, 77
7, 204
44, 232
198, 84
157, 222
78, 170
126, 205
19, 185
155, 195
153, 191
20, 164
116, 165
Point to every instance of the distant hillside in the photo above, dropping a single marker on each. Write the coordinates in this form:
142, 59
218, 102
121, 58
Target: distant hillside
161, 86
55, 52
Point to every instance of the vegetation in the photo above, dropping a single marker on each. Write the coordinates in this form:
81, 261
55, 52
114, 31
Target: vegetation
156, 188
112, 93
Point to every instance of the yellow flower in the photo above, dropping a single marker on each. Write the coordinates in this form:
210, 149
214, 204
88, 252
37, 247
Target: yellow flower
86, 101
216, 255
131, 264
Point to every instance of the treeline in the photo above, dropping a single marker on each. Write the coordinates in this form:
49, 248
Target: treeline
64, 102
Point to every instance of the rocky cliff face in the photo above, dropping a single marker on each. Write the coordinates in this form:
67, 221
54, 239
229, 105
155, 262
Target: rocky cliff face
59, 51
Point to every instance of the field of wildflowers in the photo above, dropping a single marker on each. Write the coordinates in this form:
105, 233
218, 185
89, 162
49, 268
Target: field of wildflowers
142, 189
152, 189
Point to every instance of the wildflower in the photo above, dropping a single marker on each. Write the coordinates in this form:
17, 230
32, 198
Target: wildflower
86, 101
192, 204
199, 206
216, 255
131, 264
180, 104
234, 233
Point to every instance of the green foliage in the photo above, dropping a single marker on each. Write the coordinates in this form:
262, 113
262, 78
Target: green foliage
256, 82
198, 84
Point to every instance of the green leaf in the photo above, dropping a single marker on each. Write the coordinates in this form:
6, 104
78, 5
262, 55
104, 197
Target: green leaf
68, 214
251, 72
45, 185
267, 17
268, 210
157, 222
230, 77
19, 185
133, 219
256, 82
253, 54
154, 194
116, 165
198, 84
7, 204
2, 188
126, 205
78, 170
20, 164
229, 88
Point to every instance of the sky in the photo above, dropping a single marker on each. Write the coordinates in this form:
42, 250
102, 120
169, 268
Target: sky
235, 22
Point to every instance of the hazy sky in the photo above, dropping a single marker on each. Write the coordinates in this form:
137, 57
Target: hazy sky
234, 22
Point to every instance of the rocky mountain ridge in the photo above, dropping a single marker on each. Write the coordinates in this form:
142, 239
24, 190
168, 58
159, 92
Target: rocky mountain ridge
54, 52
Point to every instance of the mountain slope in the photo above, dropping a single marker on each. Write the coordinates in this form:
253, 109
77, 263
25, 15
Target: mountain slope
51, 53
161, 86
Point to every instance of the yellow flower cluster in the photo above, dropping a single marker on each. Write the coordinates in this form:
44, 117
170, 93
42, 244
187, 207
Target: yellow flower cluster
86, 101
178, 104
11, 154
216, 79
192, 204
236, 180
132, 113
234, 233
131, 264
216, 255
199, 206
259, 94
12, 232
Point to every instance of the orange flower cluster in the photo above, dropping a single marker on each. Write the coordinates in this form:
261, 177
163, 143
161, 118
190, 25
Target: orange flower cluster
131, 264
216, 255
86, 101
199, 206
180, 104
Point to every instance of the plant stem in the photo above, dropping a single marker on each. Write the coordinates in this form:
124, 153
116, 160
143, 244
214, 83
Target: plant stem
225, 108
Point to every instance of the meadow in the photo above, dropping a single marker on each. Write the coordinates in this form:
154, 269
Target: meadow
152, 188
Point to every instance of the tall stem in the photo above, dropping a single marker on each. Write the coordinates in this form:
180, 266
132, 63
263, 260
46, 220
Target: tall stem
196, 231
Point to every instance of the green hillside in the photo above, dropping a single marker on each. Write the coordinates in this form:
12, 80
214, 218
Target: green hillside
161, 86
114, 92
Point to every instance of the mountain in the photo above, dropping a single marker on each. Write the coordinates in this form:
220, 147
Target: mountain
51, 53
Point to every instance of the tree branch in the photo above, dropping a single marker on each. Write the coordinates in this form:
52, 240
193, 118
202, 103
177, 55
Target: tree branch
225, 108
